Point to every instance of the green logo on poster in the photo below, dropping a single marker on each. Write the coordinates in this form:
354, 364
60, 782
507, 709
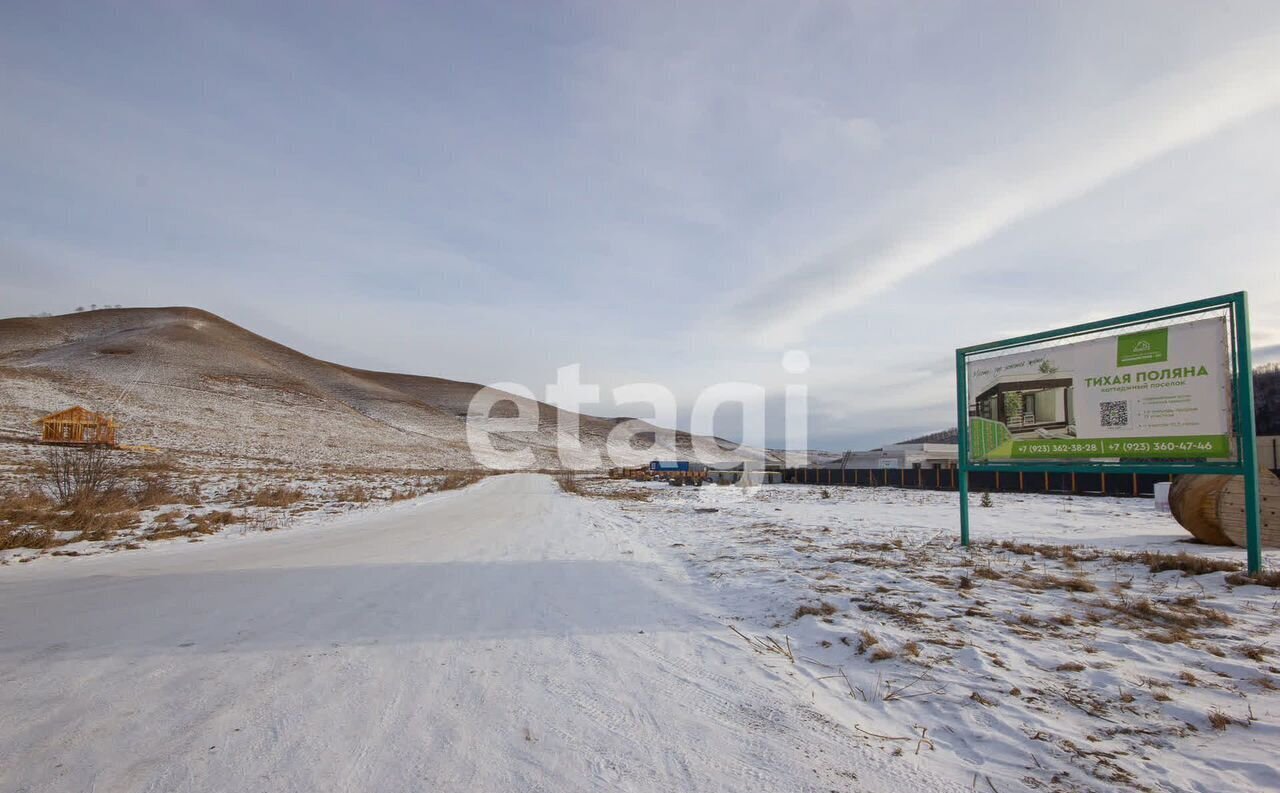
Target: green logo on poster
1148, 346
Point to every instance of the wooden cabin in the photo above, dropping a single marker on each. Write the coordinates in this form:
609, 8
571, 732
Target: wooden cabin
78, 427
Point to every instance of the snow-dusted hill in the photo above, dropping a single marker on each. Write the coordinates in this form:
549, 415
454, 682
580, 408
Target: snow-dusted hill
183, 378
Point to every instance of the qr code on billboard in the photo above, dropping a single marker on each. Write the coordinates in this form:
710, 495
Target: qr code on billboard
1114, 414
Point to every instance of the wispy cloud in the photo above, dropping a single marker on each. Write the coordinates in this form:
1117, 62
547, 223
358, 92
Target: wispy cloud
974, 203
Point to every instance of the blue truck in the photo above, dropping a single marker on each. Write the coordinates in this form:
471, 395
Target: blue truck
668, 465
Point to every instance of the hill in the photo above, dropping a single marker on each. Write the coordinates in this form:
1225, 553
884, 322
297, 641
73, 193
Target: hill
186, 379
949, 435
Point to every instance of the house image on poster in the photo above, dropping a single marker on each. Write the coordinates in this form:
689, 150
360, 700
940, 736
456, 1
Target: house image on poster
1030, 405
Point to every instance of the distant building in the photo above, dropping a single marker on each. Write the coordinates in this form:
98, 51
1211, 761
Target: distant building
900, 455
735, 474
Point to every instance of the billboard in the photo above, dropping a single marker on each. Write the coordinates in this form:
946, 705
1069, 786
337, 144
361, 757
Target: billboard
1159, 393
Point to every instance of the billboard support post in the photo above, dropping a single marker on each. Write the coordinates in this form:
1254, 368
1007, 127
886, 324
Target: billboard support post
1248, 436
962, 439
1245, 463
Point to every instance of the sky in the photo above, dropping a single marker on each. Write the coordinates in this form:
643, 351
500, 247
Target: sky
675, 193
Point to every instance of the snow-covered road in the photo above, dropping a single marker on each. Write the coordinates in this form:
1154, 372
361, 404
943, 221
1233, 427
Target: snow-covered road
507, 637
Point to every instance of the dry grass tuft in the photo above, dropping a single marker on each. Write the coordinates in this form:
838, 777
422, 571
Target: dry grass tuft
981, 700
1188, 563
1269, 578
823, 609
459, 479
352, 493
210, 522
1070, 666
1255, 652
25, 520
277, 496
1173, 635
626, 494
866, 640
1219, 720
882, 653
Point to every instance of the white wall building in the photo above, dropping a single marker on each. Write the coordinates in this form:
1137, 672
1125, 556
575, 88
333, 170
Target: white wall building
900, 455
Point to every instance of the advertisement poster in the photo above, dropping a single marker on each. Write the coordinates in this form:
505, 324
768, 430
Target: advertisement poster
1156, 394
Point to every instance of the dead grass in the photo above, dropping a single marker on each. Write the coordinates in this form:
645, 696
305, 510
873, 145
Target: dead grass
823, 609
627, 494
453, 480
882, 653
1255, 652
1173, 614
1189, 564
1173, 635
352, 493
210, 522
24, 519
1046, 581
1069, 554
1269, 578
277, 496
155, 491
866, 640
1219, 720
981, 700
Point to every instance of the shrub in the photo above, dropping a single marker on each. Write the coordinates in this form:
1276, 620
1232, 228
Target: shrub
71, 473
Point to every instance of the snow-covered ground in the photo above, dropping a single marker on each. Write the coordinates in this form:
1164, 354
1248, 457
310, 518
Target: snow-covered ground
503, 637
1024, 664
190, 497
513, 637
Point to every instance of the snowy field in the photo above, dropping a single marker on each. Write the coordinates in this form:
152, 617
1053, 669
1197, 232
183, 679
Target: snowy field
510, 636
1049, 656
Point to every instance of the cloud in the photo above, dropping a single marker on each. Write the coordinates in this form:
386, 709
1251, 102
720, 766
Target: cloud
972, 204
1267, 354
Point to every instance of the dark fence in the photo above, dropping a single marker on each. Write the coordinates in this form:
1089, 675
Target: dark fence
1092, 484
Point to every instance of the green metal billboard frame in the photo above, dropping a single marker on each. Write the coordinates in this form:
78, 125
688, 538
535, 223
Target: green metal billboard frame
1246, 464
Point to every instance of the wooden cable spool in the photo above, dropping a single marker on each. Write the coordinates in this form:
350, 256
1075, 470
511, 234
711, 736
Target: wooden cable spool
1211, 507
1230, 509
1187, 501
